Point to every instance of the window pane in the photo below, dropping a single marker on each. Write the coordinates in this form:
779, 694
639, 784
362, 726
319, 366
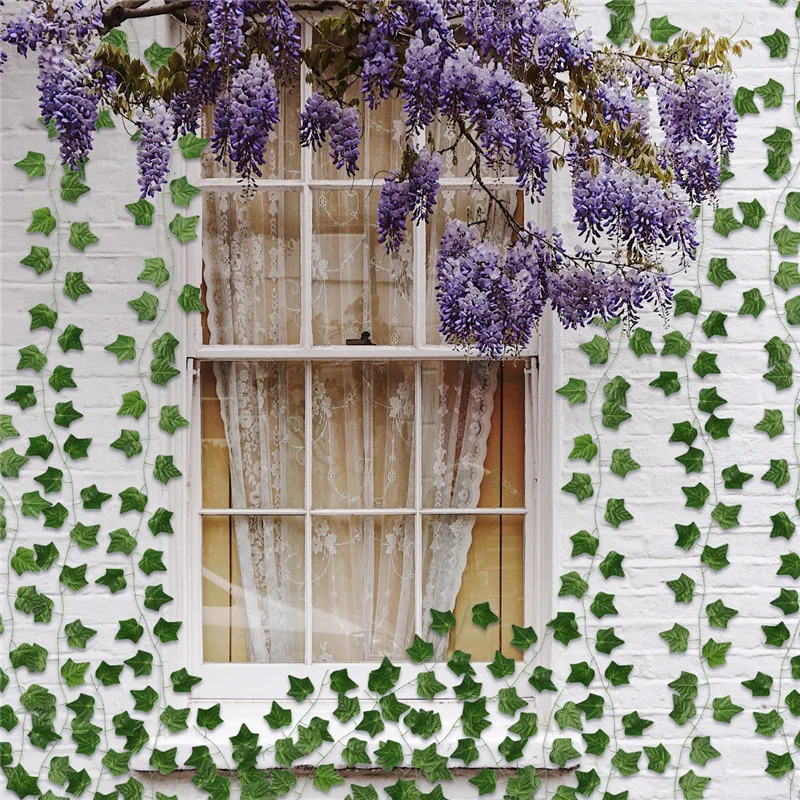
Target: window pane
475, 559
467, 206
282, 155
251, 266
253, 434
253, 589
363, 587
363, 435
357, 286
456, 162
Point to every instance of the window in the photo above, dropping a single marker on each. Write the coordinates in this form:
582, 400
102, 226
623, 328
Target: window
343, 490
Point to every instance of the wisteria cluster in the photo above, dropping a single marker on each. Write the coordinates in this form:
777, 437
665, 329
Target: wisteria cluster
514, 84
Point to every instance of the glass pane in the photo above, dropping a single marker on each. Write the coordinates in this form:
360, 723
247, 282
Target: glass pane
357, 286
457, 161
362, 587
467, 206
251, 255
471, 559
363, 435
458, 400
253, 589
282, 155
253, 434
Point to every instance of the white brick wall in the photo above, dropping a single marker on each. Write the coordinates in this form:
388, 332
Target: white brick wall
652, 494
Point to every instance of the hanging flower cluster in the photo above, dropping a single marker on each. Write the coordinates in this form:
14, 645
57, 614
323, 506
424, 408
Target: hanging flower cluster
514, 82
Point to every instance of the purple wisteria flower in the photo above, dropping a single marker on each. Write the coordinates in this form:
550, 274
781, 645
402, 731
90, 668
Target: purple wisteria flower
154, 149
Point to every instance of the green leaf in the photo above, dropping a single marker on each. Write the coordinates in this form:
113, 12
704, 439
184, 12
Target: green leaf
155, 272
21, 782
675, 344
164, 630
189, 298
38, 260
564, 627
124, 348
635, 725
182, 681
692, 460
141, 663
569, 716
419, 651
66, 414
621, 29
780, 376
162, 372
74, 578
85, 536
117, 38
714, 325
40, 447
685, 302
718, 271
613, 415
719, 615
658, 758
104, 120
596, 742
607, 641
572, 585
683, 432
184, 228
483, 616
61, 378
30, 357
43, 221
174, 719
616, 513
668, 382
790, 565
778, 165
661, 30
693, 785
574, 390
779, 765
142, 211
145, 306
752, 303
580, 485
11, 462
787, 601
389, 755
485, 781
792, 208
685, 685
768, 724
164, 470
584, 543
603, 605
787, 241
160, 522
563, 751
78, 634
7, 429
182, 192
278, 717
158, 56
72, 187
523, 638
683, 588
777, 43
726, 517
33, 165
80, 237
778, 472
132, 405
597, 349
299, 688
640, 341
725, 223
715, 652
677, 637
743, 102
191, 146
442, 622
771, 423
113, 579
75, 286
771, 93
611, 565
776, 635
128, 442
70, 338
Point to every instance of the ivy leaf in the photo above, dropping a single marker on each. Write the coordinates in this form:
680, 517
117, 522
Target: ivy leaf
771, 423
787, 241
635, 725
132, 405
564, 627
778, 165
569, 716
192, 146
30, 357
164, 470
778, 765
661, 29
483, 616
719, 615
66, 414
43, 221
155, 272
607, 641
419, 651
11, 462
790, 565
683, 588
574, 390
611, 565
158, 56
75, 286
584, 543
675, 344
603, 605
693, 785
776, 635
563, 751
685, 302
142, 211
683, 432
658, 758
78, 635
787, 601
389, 755
780, 140
621, 29
752, 303
726, 517
164, 347
485, 781
113, 579
123, 347
580, 485
616, 513
668, 382
523, 638
38, 260
61, 378
162, 372
85, 536
74, 578
80, 237
597, 349
622, 462
777, 43
583, 447
128, 442
714, 325
768, 724
715, 652
718, 271
442, 622
780, 376
189, 298
72, 187
572, 585
145, 306
182, 191
771, 93
33, 165
778, 472
21, 782
164, 630
692, 460
725, 222
104, 120
596, 742
184, 228
677, 637
7, 429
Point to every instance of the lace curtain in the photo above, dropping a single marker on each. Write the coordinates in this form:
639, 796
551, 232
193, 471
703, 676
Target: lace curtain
362, 452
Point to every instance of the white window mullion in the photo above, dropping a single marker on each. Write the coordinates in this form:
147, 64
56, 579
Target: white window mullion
309, 432
418, 497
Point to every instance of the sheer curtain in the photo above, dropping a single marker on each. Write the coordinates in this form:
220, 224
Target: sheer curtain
362, 566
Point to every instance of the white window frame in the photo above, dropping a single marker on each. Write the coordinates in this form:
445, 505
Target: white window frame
262, 683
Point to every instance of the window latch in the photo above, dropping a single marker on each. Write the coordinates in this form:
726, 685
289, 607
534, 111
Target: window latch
361, 341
